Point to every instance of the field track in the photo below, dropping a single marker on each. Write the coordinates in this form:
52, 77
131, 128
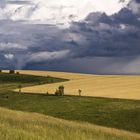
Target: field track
110, 86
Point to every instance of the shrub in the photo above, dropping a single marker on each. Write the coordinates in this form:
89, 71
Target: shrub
19, 87
48, 76
57, 92
61, 90
17, 73
0, 71
47, 93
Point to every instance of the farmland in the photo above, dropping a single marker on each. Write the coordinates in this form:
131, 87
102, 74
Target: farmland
72, 117
110, 86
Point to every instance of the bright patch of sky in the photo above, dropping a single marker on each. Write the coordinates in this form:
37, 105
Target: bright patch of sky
57, 12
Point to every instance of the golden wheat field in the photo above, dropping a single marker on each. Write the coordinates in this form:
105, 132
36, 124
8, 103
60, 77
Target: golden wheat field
111, 86
19, 125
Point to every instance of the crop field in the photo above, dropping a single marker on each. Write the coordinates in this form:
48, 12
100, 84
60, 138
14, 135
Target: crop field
110, 86
68, 117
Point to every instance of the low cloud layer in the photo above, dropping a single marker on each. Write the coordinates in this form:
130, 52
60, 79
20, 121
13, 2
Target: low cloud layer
11, 47
100, 43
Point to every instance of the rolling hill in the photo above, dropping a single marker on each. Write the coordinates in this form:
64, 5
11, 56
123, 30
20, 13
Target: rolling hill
110, 86
32, 126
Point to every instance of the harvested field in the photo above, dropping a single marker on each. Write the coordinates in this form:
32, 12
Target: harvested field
110, 86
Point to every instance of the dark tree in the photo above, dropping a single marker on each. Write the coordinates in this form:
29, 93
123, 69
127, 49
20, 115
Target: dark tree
17, 73
57, 92
60, 91
11, 71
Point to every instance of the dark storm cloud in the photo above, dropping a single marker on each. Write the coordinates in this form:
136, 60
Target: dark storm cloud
19, 2
99, 41
32, 43
116, 35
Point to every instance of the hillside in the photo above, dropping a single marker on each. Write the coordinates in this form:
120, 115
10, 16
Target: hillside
110, 86
18, 125
114, 113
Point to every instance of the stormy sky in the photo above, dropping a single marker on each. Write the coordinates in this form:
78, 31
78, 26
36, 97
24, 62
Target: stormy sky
90, 36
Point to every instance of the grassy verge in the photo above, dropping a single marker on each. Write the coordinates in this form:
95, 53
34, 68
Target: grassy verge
29, 126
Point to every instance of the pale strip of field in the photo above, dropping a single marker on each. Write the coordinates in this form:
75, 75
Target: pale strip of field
17, 125
111, 86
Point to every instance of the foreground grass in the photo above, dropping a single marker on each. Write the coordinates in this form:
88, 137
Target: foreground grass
30, 126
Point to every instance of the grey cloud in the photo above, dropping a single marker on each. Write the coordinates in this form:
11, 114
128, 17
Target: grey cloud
46, 56
2, 3
20, 2
11, 47
121, 1
96, 65
116, 35
100, 43
9, 56
134, 5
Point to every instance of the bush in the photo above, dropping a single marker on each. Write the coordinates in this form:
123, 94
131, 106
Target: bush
0, 71
57, 92
61, 89
17, 73
19, 87
11, 71
47, 93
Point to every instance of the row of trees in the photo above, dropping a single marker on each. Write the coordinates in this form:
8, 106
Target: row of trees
11, 72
